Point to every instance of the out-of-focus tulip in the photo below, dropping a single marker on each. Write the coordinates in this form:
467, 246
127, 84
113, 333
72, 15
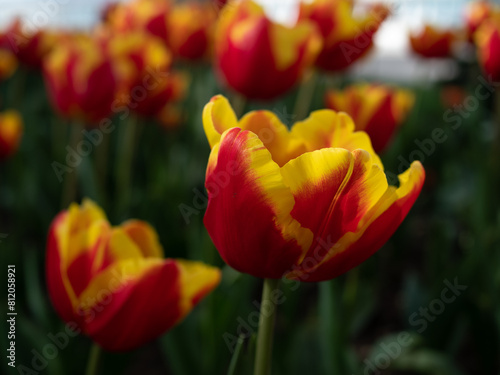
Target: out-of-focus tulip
453, 95
149, 16
476, 12
143, 63
8, 64
170, 117
114, 283
11, 131
345, 39
171, 90
190, 30
140, 59
487, 39
376, 109
310, 203
80, 79
258, 58
29, 47
432, 43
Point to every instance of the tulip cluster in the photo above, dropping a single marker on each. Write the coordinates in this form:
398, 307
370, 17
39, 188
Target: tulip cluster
376, 109
185, 28
114, 283
308, 204
89, 77
261, 59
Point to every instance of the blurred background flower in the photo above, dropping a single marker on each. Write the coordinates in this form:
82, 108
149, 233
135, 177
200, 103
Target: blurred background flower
259, 58
432, 43
375, 109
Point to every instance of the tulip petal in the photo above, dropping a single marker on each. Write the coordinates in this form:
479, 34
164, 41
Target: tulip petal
218, 116
333, 189
273, 134
145, 237
57, 280
249, 208
196, 281
135, 300
75, 238
375, 228
326, 128
131, 302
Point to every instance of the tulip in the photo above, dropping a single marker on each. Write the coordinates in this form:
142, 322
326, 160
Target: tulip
376, 109
432, 43
114, 283
149, 16
80, 79
190, 30
8, 64
487, 39
258, 58
476, 12
11, 131
345, 39
308, 204
29, 47
143, 65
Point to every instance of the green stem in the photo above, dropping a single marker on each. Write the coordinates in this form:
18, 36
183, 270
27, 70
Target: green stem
305, 96
238, 103
125, 158
267, 318
71, 178
101, 159
236, 356
93, 361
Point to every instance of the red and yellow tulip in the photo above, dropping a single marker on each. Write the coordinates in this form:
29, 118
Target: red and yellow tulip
476, 12
8, 63
487, 39
114, 283
80, 79
191, 28
149, 16
258, 58
29, 47
308, 204
345, 39
432, 43
11, 131
376, 109
143, 64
